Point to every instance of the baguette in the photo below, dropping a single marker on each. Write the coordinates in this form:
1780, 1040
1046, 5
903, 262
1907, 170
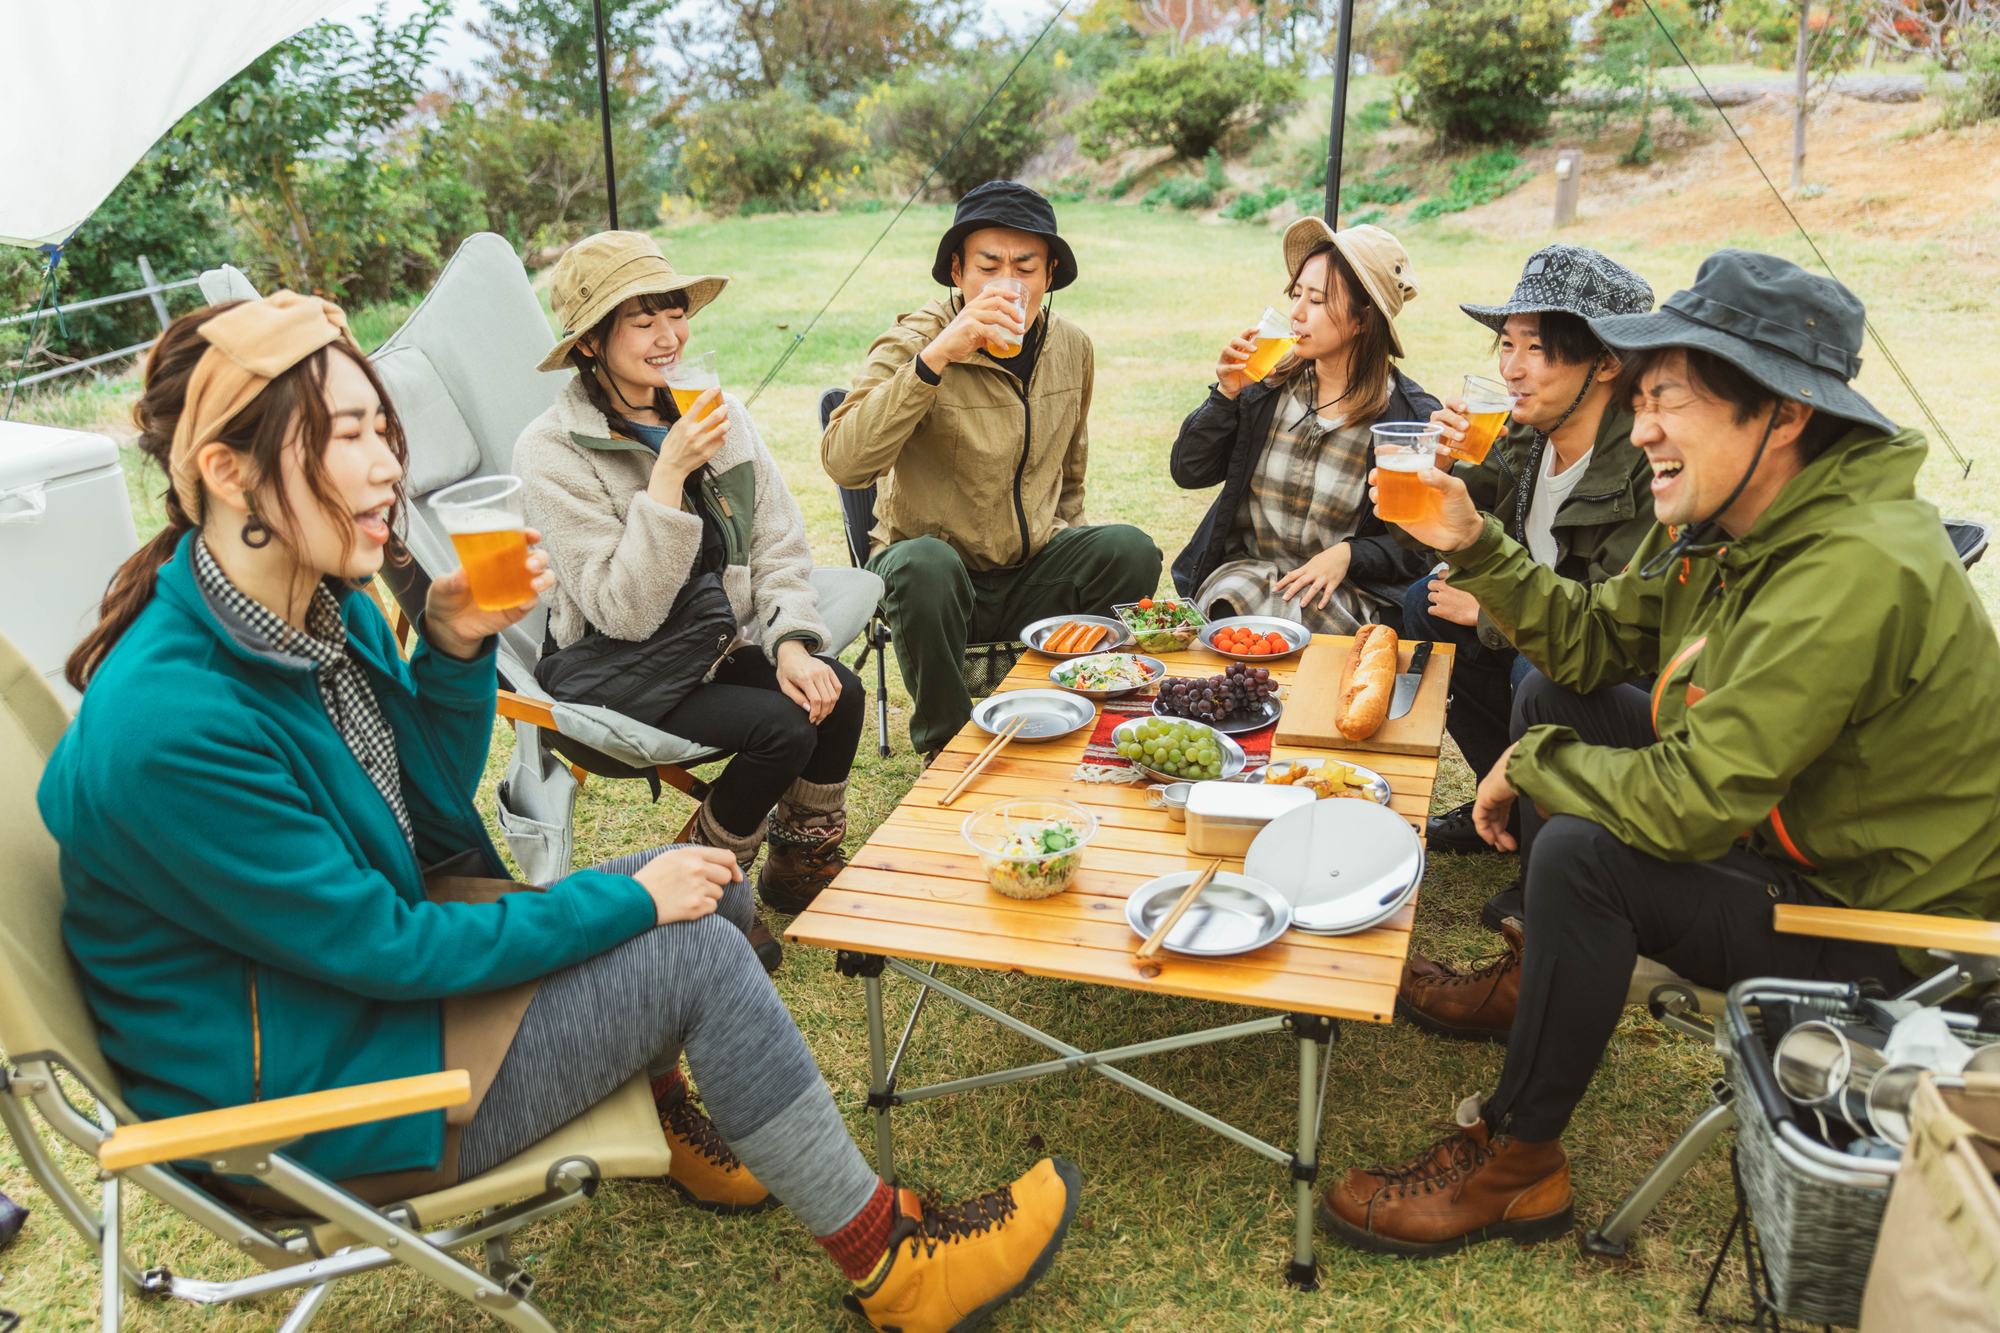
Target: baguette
1367, 682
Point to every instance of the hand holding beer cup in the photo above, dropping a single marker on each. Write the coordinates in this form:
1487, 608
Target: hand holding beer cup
691, 444
1232, 373
696, 385
498, 579
996, 315
1408, 489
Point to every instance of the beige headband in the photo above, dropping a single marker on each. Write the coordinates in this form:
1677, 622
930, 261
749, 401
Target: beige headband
248, 348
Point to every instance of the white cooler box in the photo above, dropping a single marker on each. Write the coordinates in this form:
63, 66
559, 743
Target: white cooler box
65, 527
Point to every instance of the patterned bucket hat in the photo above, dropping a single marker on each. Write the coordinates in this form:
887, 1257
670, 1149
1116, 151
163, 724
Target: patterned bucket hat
1570, 278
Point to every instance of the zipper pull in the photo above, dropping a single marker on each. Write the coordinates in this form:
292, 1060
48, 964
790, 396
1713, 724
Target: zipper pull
721, 500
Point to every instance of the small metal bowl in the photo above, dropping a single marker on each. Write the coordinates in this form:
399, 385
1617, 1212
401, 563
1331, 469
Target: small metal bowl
1155, 668
1234, 913
1120, 637
1171, 797
1377, 786
1233, 758
1291, 631
1050, 714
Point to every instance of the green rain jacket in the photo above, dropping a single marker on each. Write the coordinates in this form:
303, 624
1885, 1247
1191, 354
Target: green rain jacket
1829, 690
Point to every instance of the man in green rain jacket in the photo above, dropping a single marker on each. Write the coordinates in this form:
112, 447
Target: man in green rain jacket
1824, 729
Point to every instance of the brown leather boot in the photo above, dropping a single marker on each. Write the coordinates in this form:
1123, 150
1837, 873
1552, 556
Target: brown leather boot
794, 873
1474, 1186
1472, 1006
770, 953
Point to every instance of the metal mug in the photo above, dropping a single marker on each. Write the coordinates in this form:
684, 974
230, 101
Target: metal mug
1171, 796
1820, 1066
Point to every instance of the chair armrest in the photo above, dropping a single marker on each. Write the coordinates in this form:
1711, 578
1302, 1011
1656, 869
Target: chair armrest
279, 1121
1914, 930
520, 708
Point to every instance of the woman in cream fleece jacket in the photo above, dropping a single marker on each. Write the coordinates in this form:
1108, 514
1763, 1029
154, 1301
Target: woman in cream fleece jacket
628, 494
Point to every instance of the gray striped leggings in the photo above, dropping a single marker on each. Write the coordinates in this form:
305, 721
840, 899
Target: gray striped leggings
693, 986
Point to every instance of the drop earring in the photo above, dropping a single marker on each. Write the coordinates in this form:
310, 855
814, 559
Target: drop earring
255, 535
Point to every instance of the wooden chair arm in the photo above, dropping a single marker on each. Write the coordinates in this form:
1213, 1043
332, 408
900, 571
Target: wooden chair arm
1913, 930
279, 1121
520, 708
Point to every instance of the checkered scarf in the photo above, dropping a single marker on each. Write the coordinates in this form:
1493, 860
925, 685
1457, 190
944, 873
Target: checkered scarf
343, 686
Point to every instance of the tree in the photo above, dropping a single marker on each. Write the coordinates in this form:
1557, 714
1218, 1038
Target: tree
546, 52
1941, 28
1485, 71
1189, 102
815, 48
1631, 50
920, 115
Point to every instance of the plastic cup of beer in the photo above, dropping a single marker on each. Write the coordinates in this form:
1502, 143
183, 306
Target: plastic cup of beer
1003, 344
690, 379
1272, 340
487, 530
1403, 449
1487, 403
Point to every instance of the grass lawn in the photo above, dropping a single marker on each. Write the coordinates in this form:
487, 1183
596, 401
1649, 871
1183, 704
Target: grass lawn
1177, 1229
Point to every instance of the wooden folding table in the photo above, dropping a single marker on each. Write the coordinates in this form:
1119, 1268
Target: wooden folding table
917, 892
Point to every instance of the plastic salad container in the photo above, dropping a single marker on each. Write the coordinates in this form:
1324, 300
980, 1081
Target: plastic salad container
1161, 625
1030, 846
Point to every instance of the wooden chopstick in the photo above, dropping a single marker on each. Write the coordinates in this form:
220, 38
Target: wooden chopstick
1173, 918
1007, 733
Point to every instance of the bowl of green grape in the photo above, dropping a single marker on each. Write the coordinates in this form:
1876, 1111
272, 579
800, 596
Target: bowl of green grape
1177, 750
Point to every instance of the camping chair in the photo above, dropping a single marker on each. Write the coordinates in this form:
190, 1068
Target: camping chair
986, 664
461, 373
45, 1026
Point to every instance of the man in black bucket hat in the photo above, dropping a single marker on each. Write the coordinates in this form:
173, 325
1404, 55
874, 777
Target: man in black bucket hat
971, 416
1824, 728
1562, 481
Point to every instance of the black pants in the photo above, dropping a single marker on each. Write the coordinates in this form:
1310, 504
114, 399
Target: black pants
742, 709
1594, 906
1482, 687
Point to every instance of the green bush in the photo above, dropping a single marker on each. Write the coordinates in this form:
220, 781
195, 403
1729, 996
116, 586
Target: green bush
1978, 98
1484, 71
1190, 191
776, 149
1189, 103
1478, 181
916, 119
1253, 204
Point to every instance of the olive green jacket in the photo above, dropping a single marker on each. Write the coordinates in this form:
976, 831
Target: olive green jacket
1828, 688
979, 462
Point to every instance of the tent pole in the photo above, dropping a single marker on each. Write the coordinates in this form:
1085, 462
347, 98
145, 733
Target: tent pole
604, 106
1343, 57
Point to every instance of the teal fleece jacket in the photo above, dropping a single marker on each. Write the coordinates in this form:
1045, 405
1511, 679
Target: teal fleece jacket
248, 919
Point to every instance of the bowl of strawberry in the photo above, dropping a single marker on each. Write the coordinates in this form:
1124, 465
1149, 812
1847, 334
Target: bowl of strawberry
1255, 638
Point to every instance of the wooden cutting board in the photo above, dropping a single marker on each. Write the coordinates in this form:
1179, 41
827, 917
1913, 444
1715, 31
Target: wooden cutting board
1314, 698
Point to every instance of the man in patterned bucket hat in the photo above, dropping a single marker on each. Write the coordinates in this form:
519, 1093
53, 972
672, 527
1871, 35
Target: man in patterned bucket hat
1562, 483
1822, 730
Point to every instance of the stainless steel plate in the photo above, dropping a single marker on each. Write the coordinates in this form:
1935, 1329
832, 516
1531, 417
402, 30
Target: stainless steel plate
1234, 914
1119, 639
1156, 671
1343, 865
1295, 634
1233, 758
1263, 715
1050, 713
1377, 788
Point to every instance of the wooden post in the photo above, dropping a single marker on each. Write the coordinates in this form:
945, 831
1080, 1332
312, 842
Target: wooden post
1569, 184
159, 301
1799, 107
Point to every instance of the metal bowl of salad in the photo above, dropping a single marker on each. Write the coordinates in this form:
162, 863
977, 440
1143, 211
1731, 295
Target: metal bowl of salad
1030, 845
1161, 625
1109, 675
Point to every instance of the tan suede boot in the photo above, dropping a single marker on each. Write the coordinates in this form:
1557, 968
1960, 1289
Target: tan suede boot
1472, 1006
1473, 1186
703, 828
704, 1171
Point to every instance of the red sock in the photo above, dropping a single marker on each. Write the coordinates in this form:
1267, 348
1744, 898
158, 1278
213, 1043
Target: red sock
858, 1246
669, 1082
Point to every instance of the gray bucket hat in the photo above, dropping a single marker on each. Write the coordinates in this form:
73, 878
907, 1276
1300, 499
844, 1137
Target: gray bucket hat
1796, 333
1570, 278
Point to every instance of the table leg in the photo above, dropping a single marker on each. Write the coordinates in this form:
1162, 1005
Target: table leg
1304, 1271
878, 1085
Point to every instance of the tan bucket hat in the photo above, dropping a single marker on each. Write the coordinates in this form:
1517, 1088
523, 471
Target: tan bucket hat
1376, 257
600, 271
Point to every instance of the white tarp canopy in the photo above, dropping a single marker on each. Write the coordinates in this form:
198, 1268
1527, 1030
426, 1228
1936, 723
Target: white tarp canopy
87, 86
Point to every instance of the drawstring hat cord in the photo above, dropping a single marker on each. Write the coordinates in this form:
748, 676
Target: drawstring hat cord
1693, 534
1524, 485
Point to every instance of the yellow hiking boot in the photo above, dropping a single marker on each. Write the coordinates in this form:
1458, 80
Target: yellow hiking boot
949, 1267
704, 1171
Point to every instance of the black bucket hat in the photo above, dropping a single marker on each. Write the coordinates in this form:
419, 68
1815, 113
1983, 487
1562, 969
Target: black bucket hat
1005, 204
1573, 279
1796, 333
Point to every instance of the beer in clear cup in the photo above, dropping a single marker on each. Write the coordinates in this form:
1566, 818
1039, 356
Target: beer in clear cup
1272, 340
483, 517
1487, 403
689, 380
1002, 343
1403, 449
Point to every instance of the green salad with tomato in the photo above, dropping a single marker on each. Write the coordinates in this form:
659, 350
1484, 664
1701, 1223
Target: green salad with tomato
1162, 625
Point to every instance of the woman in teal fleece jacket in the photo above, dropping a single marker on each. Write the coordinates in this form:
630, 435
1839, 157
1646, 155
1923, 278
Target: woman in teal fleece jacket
256, 784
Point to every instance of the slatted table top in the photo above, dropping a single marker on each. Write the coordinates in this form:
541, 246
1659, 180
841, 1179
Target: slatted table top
916, 891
